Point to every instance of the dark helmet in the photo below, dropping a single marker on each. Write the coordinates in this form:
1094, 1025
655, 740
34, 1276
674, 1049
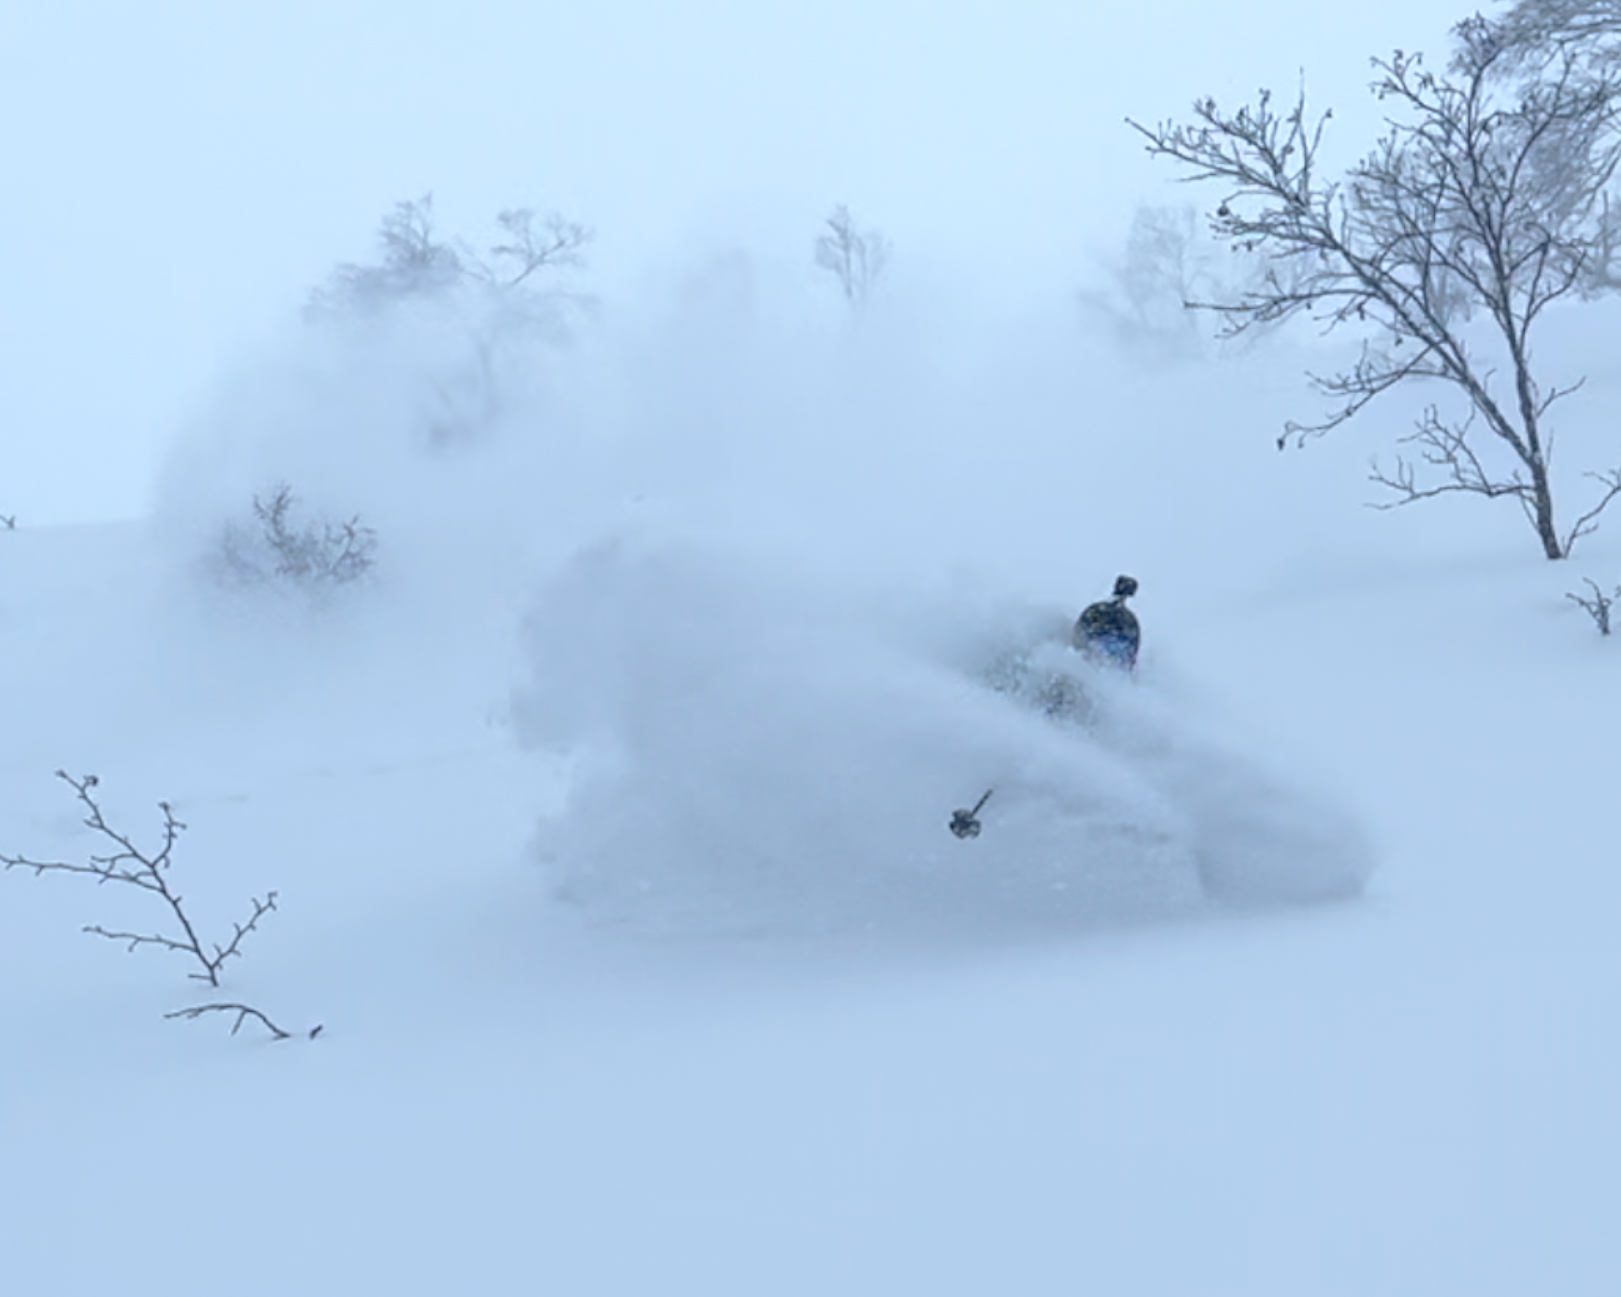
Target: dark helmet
1125, 587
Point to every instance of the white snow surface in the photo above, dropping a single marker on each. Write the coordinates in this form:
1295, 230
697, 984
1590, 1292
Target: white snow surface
608, 829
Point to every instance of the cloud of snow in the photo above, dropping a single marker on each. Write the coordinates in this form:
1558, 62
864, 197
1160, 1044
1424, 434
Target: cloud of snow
757, 748
767, 556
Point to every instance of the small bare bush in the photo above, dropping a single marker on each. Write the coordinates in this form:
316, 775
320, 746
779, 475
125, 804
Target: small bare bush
278, 550
1598, 606
149, 870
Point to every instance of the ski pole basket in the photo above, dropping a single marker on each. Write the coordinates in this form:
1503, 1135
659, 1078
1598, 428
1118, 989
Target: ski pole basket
965, 824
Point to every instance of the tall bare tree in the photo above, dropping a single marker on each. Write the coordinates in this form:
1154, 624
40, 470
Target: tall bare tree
1484, 201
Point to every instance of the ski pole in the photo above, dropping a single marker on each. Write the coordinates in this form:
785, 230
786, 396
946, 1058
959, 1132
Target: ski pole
965, 824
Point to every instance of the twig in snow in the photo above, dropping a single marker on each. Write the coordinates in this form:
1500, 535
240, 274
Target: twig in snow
148, 870
1598, 607
243, 1013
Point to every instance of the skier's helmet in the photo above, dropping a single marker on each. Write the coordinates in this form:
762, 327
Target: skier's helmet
1125, 587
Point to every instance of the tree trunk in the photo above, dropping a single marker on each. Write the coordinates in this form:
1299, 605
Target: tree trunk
1542, 511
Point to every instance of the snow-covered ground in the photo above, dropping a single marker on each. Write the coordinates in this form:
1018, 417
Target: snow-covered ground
608, 831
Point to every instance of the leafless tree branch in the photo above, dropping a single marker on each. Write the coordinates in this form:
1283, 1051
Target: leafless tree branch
1610, 482
557, 242
148, 870
1447, 447
415, 263
1532, 28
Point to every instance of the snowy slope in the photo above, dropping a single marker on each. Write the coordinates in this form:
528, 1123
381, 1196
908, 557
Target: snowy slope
1411, 1093
718, 600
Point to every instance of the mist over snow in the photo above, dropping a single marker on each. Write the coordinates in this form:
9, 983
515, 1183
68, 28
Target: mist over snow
767, 554
607, 811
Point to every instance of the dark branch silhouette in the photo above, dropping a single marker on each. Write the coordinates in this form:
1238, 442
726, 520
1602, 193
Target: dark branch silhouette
313, 556
1598, 607
1486, 200
148, 870
243, 1013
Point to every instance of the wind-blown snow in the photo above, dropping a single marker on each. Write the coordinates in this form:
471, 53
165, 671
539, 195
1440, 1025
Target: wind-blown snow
751, 747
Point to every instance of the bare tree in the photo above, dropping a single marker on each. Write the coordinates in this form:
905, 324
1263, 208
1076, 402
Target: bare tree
533, 243
1148, 285
1477, 203
503, 298
854, 256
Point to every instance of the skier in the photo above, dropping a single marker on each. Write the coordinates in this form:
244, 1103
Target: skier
1108, 631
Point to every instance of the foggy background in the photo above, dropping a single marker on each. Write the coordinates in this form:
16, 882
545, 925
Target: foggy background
179, 175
